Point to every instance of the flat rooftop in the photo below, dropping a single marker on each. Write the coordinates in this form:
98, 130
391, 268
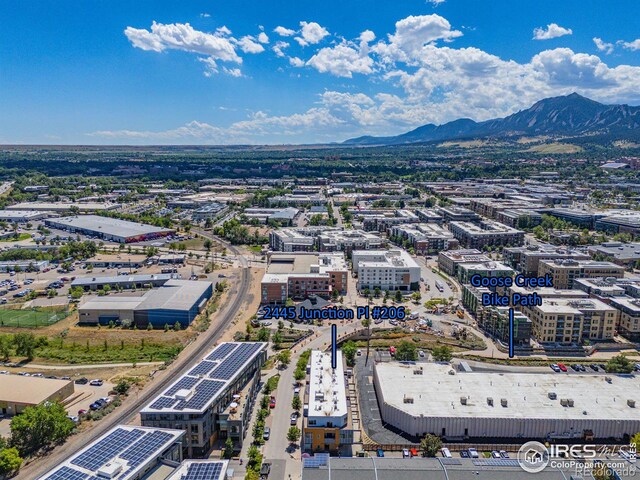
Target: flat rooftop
201, 470
327, 397
527, 394
305, 263
28, 390
58, 206
119, 454
109, 226
195, 391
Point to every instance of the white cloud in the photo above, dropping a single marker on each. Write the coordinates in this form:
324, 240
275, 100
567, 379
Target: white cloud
296, 62
603, 46
435, 3
311, 33
279, 47
553, 30
263, 37
342, 60
635, 45
205, 15
284, 32
248, 45
234, 72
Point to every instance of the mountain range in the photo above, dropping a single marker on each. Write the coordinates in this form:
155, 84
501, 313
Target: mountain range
568, 116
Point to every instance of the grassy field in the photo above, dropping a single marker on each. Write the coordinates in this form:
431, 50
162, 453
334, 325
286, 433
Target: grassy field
22, 236
36, 318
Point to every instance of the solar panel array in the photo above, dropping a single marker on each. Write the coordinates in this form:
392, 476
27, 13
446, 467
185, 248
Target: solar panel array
231, 364
107, 448
163, 402
450, 461
66, 473
205, 391
137, 453
202, 368
317, 461
204, 471
222, 351
496, 462
183, 383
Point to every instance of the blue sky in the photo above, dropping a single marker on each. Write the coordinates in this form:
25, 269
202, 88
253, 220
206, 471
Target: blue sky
211, 72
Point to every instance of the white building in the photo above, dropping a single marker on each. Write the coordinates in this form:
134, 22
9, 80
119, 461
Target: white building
327, 396
385, 269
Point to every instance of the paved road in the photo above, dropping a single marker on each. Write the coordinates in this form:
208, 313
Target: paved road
134, 403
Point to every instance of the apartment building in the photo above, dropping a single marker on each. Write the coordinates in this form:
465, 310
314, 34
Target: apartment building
486, 234
624, 254
629, 316
213, 400
526, 259
572, 321
322, 239
298, 275
450, 261
495, 322
519, 217
486, 269
425, 238
386, 270
564, 272
457, 214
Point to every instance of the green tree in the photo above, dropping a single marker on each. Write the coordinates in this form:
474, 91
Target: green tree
263, 335
398, 296
441, 353
40, 426
406, 351
284, 357
228, 448
293, 434
619, 364
349, 351
10, 461
277, 339
25, 344
430, 445
122, 387
296, 403
299, 374
5, 348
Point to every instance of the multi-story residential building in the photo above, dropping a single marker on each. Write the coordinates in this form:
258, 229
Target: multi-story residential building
624, 254
326, 425
519, 217
381, 221
564, 272
386, 270
495, 322
486, 234
298, 275
429, 215
572, 321
450, 261
425, 238
213, 400
629, 319
493, 207
486, 269
457, 214
322, 239
527, 259
603, 288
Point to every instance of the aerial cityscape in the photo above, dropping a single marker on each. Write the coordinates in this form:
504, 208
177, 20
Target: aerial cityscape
301, 241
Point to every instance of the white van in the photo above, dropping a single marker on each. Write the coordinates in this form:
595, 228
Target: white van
445, 452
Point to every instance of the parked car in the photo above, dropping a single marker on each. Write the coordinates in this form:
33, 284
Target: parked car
380, 453
272, 402
294, 418
82, 411
421, 353
594, 367
74, 418
473, 453
445, 452
495, 454
265, 470
504, 454
405, 453
562, 367
464, 453
96, 383
81, 381
267, 433
555, 368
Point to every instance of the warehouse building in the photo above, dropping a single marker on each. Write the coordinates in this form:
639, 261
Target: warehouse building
124, 453
624, 254
386, 270
126, 282
175, 301
23, 265
213, 400
61, 207
283, 216
110, 229
486, 234
325, 425
303, 274
23, 216
18, 392
506, 405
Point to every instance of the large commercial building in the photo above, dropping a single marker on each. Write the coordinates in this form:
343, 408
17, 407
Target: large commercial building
527, 259
299, 275
282, 216
119, 282
624, 254
22, 216
176, 301
505, 405
486, 234
564, 272
124, 453
213, 400
386, 270
110, 229
572, 321
325, 426
424, 238
61, 207
18, 392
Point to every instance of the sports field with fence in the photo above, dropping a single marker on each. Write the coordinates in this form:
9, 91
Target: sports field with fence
32, 317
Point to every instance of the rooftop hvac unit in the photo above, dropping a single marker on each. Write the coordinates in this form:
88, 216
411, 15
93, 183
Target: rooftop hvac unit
564, 402
553, 395
503, 402
463, 400
631, 403
490, 401
407, 399
570, 402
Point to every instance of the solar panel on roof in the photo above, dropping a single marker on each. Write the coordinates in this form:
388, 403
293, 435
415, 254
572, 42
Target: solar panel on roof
232, 363
204, 471
107, 448
205, 391
496, 462
222, 351
202, 368
142, 450
66, 473
163, 402
183, 383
